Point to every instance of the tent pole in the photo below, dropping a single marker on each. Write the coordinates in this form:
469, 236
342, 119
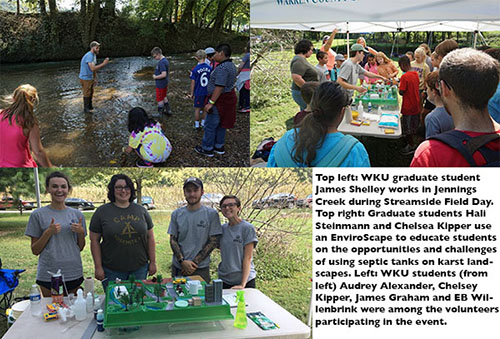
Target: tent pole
348, 40
37, 188
475, 39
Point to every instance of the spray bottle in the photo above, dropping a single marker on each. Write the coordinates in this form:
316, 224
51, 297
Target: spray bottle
240, 320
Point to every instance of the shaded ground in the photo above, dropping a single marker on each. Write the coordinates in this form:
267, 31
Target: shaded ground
73, 138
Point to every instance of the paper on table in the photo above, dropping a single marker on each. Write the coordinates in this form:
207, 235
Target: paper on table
231, 299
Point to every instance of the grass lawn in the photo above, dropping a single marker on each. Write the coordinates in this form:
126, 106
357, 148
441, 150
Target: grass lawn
16, 253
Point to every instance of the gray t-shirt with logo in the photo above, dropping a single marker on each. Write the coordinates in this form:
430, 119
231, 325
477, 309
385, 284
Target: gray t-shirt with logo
350, 72
193, 229
124, 231
232, 249
62, 251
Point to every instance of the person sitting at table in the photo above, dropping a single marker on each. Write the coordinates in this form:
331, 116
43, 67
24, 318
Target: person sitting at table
316, 142
57, 236
236, 269
121, 235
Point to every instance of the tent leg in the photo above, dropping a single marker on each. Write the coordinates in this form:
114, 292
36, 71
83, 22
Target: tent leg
475, 39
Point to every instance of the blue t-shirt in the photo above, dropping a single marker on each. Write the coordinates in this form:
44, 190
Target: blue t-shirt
494, 105
200, 74
161, 67
437, 122
85, 72
358, 157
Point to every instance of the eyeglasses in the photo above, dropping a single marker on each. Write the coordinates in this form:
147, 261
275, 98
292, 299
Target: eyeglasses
230, 204
122, 188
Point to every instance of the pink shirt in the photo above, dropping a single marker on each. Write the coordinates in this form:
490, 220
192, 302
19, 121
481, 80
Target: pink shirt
373, 69
14, 146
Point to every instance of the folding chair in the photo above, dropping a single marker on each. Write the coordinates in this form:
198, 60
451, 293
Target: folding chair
9, 279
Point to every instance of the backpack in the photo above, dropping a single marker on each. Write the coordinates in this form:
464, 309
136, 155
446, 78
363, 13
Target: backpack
468, 145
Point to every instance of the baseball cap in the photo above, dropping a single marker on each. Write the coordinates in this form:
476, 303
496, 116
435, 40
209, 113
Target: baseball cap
94, 43
359, 47
339, 57
200, 54
192, 180
209, 50
326, 37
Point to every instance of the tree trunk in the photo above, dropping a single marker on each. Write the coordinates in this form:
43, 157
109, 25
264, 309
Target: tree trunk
94, 20
203, 14
52, 7
109, 8
138, 182
219, 19
18, 8
43, 9
187, 15
176, 10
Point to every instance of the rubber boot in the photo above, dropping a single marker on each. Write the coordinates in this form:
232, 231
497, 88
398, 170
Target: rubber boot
86, 103
166, 109
90, 104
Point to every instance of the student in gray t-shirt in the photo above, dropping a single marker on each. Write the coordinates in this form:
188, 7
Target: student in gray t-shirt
58, 236
236, 269
350, 71
194, 231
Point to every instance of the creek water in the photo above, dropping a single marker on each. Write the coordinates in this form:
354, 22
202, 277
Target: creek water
74, 138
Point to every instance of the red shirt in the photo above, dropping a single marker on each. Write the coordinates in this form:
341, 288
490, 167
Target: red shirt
434, 153
409, 83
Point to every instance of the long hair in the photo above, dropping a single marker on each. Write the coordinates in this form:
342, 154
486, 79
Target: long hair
21, 104
138, 119
326, 104
382, 54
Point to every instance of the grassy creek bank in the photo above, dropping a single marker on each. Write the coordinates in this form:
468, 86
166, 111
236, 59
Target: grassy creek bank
29, 38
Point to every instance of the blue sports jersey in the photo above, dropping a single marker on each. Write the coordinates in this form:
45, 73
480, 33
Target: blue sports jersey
200, 74
160, 68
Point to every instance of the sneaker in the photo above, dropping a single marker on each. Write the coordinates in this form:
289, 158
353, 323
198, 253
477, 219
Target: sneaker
144, 164
244, 110
203, 123
219, 150
166, 109
196, 125
407, 150
198, 149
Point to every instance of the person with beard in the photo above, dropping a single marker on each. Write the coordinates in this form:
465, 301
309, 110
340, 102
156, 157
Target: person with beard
88, 74
194, 233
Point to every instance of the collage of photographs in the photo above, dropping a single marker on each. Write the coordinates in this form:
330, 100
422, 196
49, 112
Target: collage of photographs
156, 156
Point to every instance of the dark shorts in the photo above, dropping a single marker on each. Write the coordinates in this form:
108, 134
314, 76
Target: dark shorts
410, 124
200, 102
249, 284
161, 93
70, 285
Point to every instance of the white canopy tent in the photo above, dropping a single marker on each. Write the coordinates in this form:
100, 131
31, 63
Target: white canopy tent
361, 16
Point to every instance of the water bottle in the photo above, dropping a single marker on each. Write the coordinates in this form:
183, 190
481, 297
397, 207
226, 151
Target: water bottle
35, 301
369, 107
100, 320
80, 307
89, 301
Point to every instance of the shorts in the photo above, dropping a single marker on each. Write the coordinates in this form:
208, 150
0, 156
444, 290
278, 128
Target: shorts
87, 88
410, 124
161, 93
70, 285
200, 101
